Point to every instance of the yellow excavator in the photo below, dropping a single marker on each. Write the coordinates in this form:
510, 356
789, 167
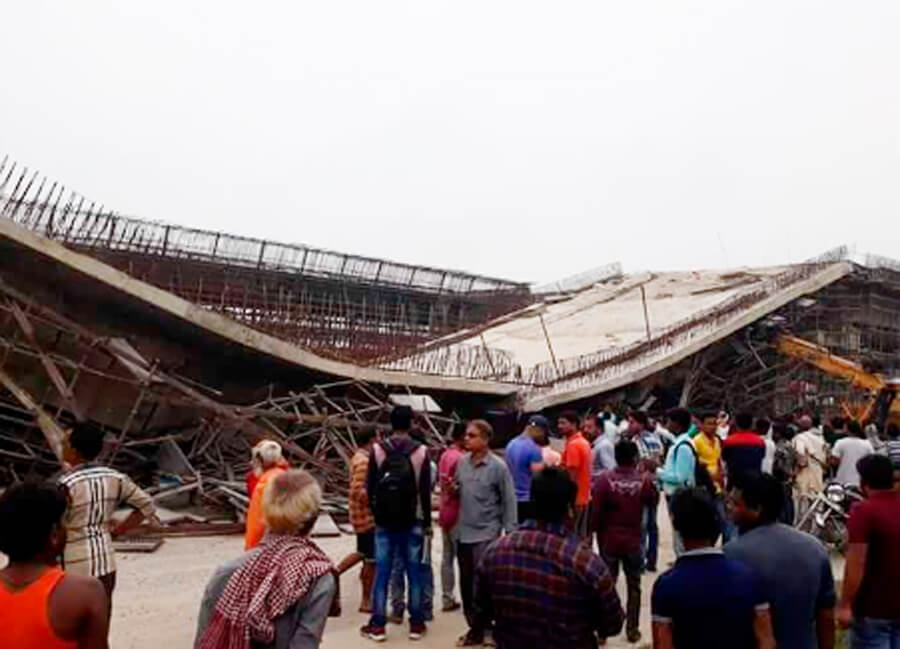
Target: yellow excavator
882, 408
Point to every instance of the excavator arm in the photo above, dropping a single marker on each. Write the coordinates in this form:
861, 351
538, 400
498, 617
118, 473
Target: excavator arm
879, 408
828, 362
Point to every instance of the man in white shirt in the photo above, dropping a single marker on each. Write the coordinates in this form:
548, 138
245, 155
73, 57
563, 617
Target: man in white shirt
848, 451
610, 428
762, 428
723, 425
603, 455
812, 459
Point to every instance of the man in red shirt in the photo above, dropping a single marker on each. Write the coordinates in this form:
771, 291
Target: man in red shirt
870, 601
577, 461
449, 515
742, 452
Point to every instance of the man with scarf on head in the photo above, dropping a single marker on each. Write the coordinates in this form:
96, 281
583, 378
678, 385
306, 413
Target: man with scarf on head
278, 595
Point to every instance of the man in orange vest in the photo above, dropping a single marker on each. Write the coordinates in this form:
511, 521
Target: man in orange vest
41, 607
267, 462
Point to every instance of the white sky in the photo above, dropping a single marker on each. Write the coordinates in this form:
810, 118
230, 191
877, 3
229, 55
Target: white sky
528, 140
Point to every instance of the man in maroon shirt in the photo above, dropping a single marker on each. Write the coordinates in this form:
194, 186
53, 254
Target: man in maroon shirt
619, 499
871, 602
449, 515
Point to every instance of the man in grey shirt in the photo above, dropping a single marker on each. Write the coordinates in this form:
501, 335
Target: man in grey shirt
793, 566
284, 588
487, 507
300, 627
603, 455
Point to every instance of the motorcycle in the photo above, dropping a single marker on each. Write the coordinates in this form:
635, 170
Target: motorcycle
827, 515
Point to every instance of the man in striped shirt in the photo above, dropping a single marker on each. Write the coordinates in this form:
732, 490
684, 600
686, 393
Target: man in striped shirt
361, 519
95, 492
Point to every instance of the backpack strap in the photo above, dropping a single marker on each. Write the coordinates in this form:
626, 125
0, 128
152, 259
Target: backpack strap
417, 458
385, 448
690, 445
379, 453
685, 442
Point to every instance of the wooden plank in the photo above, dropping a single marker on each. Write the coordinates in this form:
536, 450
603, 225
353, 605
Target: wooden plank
52, 432
53, 372
142, 545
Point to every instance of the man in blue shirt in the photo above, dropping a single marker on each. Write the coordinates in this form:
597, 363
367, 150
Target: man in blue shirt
651, 450
679, 469
793, 566
707, 600
524, 457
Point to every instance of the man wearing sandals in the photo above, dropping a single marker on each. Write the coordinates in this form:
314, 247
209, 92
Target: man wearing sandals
487, 501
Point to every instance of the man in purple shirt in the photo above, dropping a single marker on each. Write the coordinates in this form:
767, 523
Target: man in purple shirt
524, 457
619, 499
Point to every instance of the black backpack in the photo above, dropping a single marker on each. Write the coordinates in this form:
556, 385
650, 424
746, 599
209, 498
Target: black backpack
702, 479
396, 490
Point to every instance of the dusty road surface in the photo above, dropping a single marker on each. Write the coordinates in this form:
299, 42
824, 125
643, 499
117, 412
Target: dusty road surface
157, 596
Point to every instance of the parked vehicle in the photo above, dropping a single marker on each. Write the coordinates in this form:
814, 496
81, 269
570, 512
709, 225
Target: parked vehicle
827, 514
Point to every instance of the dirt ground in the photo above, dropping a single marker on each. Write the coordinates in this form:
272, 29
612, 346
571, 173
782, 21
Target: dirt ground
158, 595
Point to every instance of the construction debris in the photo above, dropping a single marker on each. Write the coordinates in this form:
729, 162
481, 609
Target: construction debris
173, 435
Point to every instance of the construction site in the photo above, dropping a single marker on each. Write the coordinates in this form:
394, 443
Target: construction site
187, 346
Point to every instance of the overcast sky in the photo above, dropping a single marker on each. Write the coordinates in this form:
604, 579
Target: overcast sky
528, 140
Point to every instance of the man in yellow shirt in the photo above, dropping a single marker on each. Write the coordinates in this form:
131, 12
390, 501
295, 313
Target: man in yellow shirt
708, 445
709, 449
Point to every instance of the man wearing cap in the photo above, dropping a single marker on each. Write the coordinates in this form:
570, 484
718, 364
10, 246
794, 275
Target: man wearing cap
524, 458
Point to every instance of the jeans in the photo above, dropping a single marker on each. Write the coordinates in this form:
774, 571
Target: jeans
650, 536
398, 588
583, 522
677, 541
469, 557
871, 633
398, 584
729, 531
631, 565
787, 511
450, 543
525, 511
406, 545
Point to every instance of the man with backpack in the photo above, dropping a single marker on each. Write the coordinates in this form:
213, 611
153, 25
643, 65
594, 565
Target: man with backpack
680, 466
399, 487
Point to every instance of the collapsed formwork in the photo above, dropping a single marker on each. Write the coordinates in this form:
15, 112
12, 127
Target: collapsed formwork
854, 317
55, 371
206, 343
247, 340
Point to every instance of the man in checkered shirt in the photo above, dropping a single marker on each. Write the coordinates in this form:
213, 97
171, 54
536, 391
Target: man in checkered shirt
542, 586
95, 492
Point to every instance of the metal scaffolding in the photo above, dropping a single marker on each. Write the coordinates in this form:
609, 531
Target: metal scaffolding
344, 306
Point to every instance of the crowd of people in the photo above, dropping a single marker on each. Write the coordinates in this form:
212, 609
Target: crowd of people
539, 541
537, 536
